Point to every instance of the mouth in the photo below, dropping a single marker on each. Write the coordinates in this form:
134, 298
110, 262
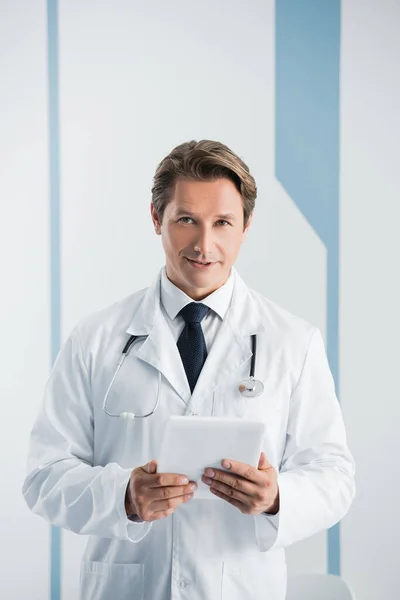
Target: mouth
197, 264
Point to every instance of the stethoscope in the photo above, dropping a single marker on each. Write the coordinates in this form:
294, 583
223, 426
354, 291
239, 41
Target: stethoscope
250, 387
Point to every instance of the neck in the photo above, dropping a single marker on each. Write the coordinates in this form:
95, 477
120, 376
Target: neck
196, 293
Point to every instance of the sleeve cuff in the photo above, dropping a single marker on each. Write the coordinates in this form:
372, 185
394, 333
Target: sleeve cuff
135, 519
273, 519
132, 528
267, 528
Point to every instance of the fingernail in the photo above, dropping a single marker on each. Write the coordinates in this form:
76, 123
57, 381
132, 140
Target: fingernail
209, 473
207, 480
193, 487
184, 480
226, 464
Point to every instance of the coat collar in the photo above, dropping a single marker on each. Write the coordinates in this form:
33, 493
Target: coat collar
231, 347
174, 299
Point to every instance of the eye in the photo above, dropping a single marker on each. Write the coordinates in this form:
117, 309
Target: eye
222, 221
181, 219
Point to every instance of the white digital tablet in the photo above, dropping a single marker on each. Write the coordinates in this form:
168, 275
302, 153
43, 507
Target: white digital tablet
190, 444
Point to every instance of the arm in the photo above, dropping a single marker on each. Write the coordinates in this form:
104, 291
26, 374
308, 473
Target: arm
61, 484
316, 478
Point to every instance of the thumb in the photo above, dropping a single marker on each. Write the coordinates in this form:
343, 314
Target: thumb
151, 467
263, 462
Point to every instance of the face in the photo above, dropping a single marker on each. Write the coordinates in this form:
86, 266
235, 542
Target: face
201, 231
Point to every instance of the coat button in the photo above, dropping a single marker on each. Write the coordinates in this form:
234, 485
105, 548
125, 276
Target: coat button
182, 584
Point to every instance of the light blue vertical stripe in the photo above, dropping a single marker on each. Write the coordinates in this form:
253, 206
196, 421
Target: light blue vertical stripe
55, 283
307, 55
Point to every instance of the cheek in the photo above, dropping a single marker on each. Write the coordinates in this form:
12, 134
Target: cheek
230, 244
171, 240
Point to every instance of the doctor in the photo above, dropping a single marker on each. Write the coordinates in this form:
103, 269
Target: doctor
96, 474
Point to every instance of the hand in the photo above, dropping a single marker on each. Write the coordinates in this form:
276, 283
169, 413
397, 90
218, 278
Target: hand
152, 496
252, 490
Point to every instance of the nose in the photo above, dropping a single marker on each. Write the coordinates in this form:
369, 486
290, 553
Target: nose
203, 242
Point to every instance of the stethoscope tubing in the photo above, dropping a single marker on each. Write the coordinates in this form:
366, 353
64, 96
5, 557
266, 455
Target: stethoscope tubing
134, 338
128, 415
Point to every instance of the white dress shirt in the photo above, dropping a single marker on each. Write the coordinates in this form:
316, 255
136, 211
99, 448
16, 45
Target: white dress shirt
173, 299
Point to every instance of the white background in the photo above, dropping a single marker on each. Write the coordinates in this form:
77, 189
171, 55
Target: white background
136, 79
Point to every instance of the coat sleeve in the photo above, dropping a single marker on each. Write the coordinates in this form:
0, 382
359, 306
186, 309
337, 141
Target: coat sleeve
316, 476
61, 484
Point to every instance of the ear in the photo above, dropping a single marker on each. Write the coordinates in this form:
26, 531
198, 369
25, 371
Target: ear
155, 219
246, 230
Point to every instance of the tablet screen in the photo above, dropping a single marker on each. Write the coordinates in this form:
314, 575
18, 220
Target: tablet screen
192, 443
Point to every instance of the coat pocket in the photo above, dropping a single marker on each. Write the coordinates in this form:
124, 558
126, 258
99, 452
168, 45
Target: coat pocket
102, 581
257, 577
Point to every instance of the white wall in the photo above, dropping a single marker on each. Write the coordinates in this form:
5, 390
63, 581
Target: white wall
370, 299
24, 296
135, 83
135, 80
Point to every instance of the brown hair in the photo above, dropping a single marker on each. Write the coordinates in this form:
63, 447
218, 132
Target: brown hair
204, 160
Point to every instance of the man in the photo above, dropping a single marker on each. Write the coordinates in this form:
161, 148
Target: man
94, 473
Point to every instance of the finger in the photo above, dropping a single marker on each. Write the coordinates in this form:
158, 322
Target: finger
263, 463
167, 479
244, 470
170, 504
240, 505
253, 478
262, 460
234, 493
163, 493
151, 467
161, 514
235, 482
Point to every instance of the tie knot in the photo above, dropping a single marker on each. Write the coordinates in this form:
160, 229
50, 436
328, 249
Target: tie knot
194, 312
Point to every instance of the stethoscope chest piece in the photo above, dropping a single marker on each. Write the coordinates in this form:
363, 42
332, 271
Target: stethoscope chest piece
251, 387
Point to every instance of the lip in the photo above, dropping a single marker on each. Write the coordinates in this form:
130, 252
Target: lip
198, 265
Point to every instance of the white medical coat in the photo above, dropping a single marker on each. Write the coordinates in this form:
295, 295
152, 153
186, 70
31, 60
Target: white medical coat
80, 459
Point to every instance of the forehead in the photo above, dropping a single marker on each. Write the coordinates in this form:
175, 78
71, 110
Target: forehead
220, 194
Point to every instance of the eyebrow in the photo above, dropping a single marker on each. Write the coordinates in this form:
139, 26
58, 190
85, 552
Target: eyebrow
227, 216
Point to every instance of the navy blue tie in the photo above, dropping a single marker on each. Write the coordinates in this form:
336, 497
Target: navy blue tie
191, 343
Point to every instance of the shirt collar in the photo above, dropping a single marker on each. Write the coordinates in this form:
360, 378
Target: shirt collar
174, 299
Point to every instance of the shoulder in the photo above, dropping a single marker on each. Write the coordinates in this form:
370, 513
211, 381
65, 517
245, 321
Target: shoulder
282, 325
114, 317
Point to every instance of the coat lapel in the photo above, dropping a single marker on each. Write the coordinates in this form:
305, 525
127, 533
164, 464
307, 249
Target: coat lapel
230, 350
159, 349
232, 345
